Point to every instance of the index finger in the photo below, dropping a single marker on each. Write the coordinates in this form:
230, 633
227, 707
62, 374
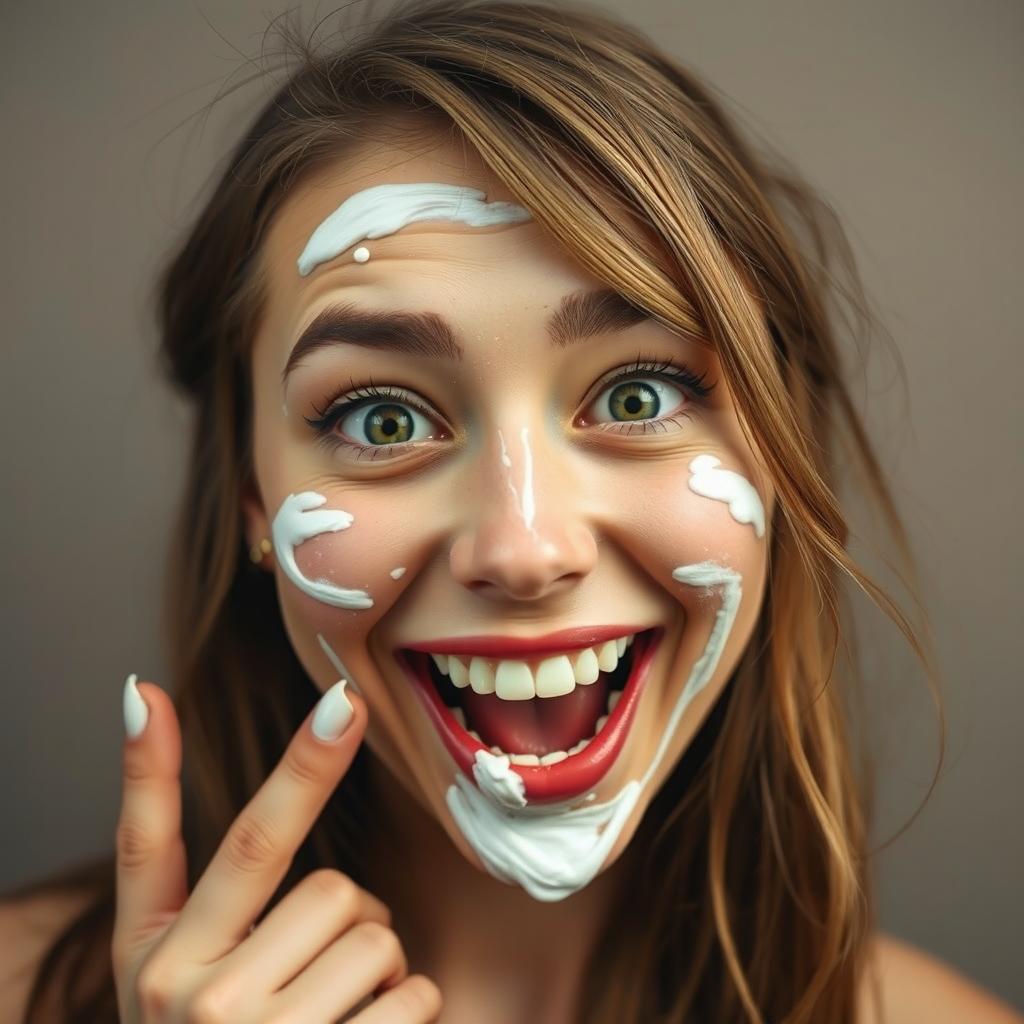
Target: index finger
261, 843
151, 863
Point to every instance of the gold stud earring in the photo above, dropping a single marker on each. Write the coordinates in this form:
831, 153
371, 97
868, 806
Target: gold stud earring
257, 551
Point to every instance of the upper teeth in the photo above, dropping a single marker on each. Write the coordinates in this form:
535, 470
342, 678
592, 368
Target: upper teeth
523, 680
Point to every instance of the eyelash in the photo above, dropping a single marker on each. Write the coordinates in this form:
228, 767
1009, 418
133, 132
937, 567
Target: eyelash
334, 410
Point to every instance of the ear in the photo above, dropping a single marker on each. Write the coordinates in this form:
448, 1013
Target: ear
254, 517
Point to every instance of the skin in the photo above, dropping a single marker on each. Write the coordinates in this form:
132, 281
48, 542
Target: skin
614, 515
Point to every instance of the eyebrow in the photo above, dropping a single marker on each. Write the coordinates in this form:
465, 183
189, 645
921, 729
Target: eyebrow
579, 316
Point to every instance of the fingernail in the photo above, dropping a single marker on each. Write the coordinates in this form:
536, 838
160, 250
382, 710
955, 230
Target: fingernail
136, 714
333, 713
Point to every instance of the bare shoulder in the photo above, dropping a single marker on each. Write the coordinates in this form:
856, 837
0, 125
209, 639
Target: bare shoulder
904, 985
28, 926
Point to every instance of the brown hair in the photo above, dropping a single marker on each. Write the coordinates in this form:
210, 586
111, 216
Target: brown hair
756, 903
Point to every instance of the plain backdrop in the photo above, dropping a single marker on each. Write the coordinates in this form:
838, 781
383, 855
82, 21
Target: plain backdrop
905, 116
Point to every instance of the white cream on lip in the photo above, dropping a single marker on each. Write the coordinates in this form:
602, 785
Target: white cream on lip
384, 209
298, 519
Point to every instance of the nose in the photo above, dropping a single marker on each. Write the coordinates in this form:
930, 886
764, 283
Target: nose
522, 537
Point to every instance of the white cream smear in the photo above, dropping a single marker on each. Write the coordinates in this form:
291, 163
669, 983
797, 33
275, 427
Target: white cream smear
725, 485
298, 519
339, 665
384, 209
525, 501
554, 850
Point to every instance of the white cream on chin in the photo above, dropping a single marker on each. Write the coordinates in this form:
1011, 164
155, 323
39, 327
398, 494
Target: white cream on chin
384, 209
554, 850
728, 486
298, 519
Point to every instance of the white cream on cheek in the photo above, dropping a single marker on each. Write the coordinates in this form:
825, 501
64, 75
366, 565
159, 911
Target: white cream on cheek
728, 486
298, 519
384, 209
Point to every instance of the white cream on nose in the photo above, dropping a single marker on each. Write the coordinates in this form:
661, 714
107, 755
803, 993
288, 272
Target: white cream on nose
526, 501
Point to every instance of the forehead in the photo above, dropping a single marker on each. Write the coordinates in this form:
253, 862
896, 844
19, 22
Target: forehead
439, 265
439, 158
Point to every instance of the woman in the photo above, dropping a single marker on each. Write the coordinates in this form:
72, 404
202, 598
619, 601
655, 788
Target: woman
516, 409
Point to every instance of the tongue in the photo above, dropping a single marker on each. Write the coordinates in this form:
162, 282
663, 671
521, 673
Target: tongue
539, 725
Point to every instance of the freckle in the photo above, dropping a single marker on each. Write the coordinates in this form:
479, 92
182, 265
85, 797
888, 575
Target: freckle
398, 573
361, 255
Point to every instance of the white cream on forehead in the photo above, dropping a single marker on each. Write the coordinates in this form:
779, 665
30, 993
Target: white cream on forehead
384, 209
298, 519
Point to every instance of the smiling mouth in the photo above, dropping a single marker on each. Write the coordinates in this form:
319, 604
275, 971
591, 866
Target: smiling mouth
561, 719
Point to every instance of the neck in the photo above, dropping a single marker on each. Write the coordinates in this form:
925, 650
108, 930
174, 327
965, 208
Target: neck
471, 932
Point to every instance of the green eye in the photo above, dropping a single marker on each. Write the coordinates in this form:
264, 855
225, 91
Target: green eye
373, 421
635, 400
386, 424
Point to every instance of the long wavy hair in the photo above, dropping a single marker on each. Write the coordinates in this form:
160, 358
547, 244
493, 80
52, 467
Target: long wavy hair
755, 901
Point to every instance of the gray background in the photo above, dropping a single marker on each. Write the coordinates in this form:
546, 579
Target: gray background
906, 116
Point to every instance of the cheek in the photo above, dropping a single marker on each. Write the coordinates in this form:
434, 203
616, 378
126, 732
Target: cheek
340, 583
676, 526
667, 525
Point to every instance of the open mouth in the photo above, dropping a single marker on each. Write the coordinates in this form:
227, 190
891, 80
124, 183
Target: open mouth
562, 720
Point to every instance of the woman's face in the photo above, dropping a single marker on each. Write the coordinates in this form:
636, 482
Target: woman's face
497, 473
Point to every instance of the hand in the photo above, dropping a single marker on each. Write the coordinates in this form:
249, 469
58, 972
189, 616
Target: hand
323, 950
